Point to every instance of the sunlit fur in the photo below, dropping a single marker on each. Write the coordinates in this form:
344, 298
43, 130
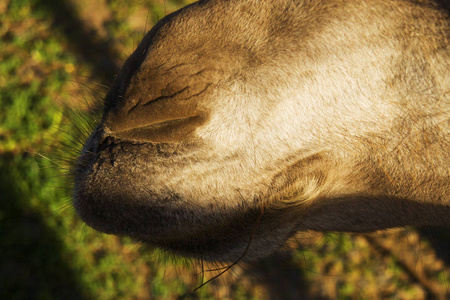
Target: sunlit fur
237, 123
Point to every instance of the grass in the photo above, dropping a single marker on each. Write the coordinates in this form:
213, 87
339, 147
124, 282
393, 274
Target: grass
59, 52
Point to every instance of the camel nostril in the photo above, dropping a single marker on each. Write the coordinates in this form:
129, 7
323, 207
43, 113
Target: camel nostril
167, 131
160, 104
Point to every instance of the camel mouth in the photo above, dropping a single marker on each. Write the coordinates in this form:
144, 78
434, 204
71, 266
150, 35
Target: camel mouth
112, 203
145, 191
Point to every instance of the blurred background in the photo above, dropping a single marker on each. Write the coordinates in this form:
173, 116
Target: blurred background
57, 57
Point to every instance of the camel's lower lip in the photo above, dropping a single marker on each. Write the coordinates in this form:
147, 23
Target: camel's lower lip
207, 246
192, 233
118, 216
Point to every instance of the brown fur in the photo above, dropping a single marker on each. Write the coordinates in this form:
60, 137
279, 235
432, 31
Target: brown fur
237, 123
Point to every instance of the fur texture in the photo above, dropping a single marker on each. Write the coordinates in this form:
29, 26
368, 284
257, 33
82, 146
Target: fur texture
236, 123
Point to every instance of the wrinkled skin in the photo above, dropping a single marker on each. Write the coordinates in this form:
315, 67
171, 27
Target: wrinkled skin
236, 123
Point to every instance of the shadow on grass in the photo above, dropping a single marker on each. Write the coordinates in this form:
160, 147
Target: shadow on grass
83, 44
439, 238
282, 279
32, 264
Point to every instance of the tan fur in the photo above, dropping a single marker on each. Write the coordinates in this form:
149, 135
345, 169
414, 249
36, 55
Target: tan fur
237, 123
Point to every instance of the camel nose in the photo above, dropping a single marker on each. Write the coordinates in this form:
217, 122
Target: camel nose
157, 108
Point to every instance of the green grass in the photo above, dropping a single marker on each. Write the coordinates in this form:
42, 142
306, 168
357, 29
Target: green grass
48, 57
